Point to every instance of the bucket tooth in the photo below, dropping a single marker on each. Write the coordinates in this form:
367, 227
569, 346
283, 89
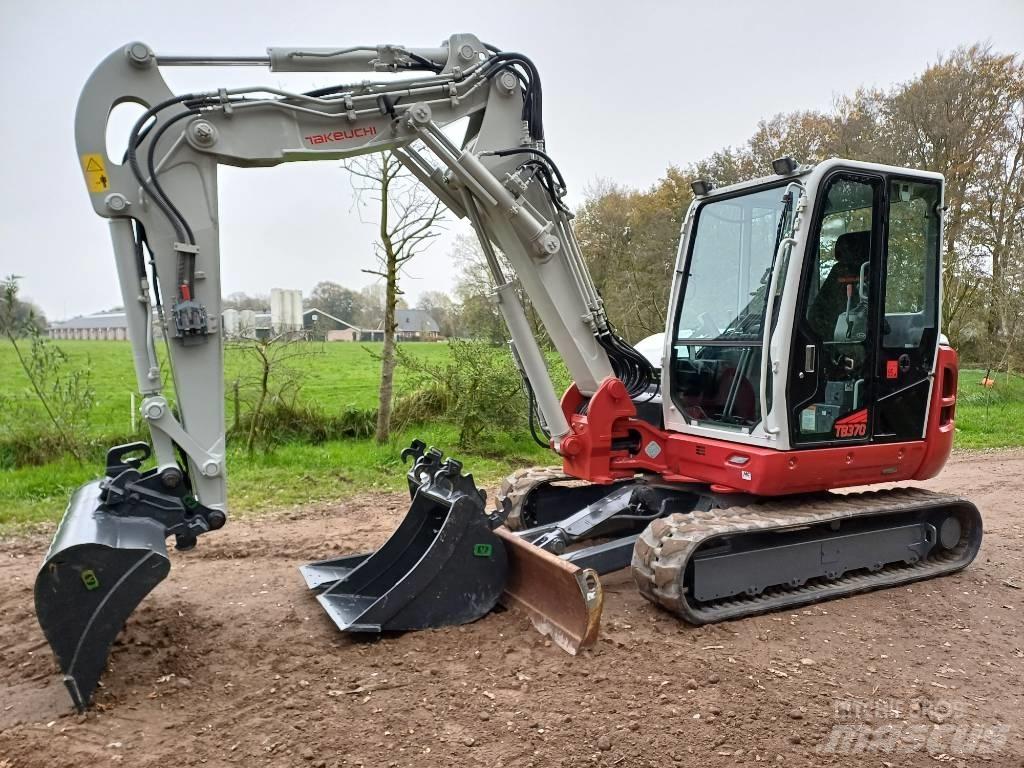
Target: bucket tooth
442, 566
324, 573
562, 600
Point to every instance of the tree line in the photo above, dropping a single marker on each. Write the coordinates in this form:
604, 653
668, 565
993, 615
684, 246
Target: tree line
962, 117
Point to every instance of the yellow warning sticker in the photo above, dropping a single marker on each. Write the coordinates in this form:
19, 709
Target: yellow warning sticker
96, 178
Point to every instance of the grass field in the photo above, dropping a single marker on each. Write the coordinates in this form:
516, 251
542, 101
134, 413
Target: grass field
337, 376
334, 376
989, 417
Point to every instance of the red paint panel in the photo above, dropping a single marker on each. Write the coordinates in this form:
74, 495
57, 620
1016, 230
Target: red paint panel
608, 443
941, 414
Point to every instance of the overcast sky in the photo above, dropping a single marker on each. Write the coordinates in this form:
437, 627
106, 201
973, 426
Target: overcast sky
629, 87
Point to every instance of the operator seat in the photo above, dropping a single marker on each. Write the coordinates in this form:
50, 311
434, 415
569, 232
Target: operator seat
851, 250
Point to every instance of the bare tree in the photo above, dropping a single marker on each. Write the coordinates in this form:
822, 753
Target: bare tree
408, 216
275, 381
63, 389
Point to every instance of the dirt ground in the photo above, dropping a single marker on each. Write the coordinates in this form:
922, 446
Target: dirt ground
231, 662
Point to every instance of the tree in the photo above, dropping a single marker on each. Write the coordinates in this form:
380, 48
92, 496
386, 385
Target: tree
343, 303
275, 383
371, 305
958, 118
63, 390
806, 135
962, 117
18, 316
441, 307
478, 314
629, 239
408, 217
240, 300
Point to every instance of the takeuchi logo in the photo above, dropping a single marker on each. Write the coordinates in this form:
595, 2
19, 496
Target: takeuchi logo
854, 425
355, 133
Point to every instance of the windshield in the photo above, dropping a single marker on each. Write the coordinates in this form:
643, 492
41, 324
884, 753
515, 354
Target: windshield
730, 267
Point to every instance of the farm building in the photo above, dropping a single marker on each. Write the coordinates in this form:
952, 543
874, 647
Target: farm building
113, 326
324, 325
413, 325
104, 326
416, 325
246, 324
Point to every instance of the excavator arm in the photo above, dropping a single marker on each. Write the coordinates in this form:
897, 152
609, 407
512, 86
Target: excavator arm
165, 192
161, 202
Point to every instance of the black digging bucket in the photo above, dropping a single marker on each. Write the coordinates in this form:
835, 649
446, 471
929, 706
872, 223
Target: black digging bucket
97, 570
442, 566
109, 552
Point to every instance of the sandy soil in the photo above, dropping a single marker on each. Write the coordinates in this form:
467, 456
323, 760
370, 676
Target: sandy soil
231, 662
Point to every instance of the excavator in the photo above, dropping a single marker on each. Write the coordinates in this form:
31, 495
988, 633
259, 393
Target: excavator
802, 355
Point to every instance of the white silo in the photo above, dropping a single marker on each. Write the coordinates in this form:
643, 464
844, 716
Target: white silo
297, 310
287, 312
278, 319
230, 322
247, 324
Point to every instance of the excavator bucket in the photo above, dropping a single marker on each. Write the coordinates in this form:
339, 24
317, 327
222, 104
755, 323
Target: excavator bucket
97, 570
442, 566
109, 552
448, 563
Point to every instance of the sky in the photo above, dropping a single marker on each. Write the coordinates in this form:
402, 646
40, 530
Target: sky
629, 88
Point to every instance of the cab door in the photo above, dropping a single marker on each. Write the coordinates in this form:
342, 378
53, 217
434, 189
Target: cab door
910, 310
868, 315
835, 351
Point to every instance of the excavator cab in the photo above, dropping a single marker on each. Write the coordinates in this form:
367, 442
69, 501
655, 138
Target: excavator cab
843, 352
867, 312
806, 356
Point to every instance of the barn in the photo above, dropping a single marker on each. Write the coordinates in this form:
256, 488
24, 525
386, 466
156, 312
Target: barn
102, 326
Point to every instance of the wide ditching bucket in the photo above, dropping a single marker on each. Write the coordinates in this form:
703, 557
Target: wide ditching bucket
109, 552
449, 563
97, 570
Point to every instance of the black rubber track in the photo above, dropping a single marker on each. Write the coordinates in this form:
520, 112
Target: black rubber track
666, 547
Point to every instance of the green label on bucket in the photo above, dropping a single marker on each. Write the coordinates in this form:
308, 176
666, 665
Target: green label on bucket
90, 580
482, 550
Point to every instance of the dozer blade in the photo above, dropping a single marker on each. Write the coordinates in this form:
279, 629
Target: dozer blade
97, 570
442, 566
562, 600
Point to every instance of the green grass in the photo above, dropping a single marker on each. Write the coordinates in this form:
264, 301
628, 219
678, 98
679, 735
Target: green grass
337, 376
333, 375
989, 417
290, 475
